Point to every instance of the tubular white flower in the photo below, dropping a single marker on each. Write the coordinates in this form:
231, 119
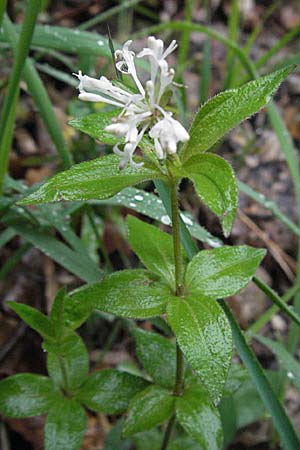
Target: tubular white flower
141, 112
167, 133
125, 63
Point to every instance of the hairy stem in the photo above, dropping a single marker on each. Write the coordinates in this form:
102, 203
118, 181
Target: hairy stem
178, 388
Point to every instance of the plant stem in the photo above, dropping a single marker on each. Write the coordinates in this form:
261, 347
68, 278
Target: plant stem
10, 101
178, 388
176, 240
168, 432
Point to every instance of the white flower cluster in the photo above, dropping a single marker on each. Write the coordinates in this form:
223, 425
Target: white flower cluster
141, 111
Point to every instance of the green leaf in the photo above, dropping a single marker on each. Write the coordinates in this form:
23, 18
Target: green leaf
224, 271
34, 318
185, 443
148, 440
70, 40
114, 440
128, 293
76, 311
204, 335
152, 206
286, 360
157, 355
110, 391
224, 111
247, 402
65, 425
57, 312
154, 249
95, 179
199, 418
216, 185
25, 395
57, 251
236, 376
149, 408
228, 415
72, 354
67, 312
94, 125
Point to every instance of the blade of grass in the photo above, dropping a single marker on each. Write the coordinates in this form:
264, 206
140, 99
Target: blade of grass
41, 98
270, 205
57, 74
277, 300
7, 137
233, 35
13, 260
104, 16
58, 251
6, 236
287, 147
286, 38
269, 313
2, 9
10, 101
273, 406
205, 63
185, 39
66, 40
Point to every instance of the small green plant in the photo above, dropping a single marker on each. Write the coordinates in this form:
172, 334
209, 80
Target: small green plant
190, 375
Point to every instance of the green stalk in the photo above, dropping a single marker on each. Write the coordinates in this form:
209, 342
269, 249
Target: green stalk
9, 106
2, 9
103, 17
269, 313
178, 388
40, 97
185, 39
278, 300
168, 433
205, 63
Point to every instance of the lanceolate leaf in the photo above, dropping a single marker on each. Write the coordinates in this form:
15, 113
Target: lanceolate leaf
128, 293
34, 318
149, 408
65, 425
94, 125
158, 356
204, 335
26, 395
110, 391
70, 357
153, 247
200, 418
224, 111
96, 179
224, 271
216, 185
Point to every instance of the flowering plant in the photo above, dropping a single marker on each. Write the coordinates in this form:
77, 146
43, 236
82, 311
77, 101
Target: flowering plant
188, 372
142, 112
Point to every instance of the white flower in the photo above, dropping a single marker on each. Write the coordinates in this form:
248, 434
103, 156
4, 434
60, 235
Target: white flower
166, 134
141, 112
